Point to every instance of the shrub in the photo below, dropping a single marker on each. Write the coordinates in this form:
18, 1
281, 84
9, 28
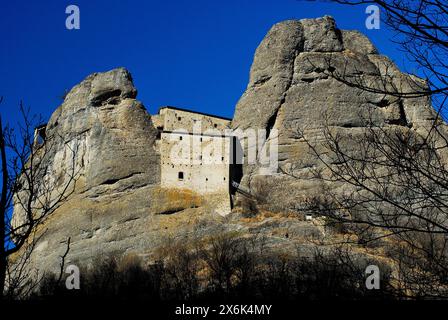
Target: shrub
220, 268
248, 207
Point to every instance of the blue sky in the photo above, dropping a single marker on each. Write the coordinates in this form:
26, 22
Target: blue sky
193, 54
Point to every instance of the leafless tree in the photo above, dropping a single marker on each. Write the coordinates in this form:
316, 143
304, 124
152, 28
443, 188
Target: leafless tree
30, 190
421, 31
393, 180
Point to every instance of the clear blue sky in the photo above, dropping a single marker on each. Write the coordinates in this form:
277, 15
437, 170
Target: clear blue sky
193, 54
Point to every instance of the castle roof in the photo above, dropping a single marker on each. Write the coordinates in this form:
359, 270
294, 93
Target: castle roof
196, 112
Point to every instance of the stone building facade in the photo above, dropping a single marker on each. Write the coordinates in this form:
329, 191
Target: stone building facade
195, 151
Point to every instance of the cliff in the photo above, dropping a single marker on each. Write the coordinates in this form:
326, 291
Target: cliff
306, 75
118, 207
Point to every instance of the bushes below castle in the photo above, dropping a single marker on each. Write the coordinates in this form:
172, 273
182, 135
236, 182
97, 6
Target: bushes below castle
221, 268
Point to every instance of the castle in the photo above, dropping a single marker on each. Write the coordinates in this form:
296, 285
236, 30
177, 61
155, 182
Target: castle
128, 162
197, 152
202, 160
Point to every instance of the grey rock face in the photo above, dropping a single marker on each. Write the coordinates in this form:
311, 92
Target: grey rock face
110, 131
106, 138
99, 87
357, 42
321, 35
104, 135
294, 87
270, 76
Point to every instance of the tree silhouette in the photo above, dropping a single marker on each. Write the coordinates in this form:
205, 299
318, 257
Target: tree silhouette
29, 191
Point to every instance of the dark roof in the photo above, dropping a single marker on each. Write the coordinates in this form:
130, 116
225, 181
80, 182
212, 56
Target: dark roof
197, 112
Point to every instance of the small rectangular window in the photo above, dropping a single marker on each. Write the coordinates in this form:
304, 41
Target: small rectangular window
180, 175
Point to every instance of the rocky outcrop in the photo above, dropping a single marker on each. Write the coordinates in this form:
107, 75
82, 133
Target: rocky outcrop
295, 86
111, 133
105, 137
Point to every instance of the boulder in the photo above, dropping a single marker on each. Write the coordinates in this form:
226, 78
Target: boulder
298, 85
103, 137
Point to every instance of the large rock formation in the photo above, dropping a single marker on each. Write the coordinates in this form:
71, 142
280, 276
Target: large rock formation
297, 86
108, 137
118, 207
104, 138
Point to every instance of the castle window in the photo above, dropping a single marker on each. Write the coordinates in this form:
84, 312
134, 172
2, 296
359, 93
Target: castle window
215, 125
179, 118
224, 178
180, 137
180, 175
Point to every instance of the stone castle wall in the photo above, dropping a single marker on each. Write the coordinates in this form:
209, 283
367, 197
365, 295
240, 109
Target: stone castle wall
204, 167
194, 152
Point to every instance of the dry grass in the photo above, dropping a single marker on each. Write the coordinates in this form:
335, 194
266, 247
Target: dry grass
172, 200
128, 261
266, 214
